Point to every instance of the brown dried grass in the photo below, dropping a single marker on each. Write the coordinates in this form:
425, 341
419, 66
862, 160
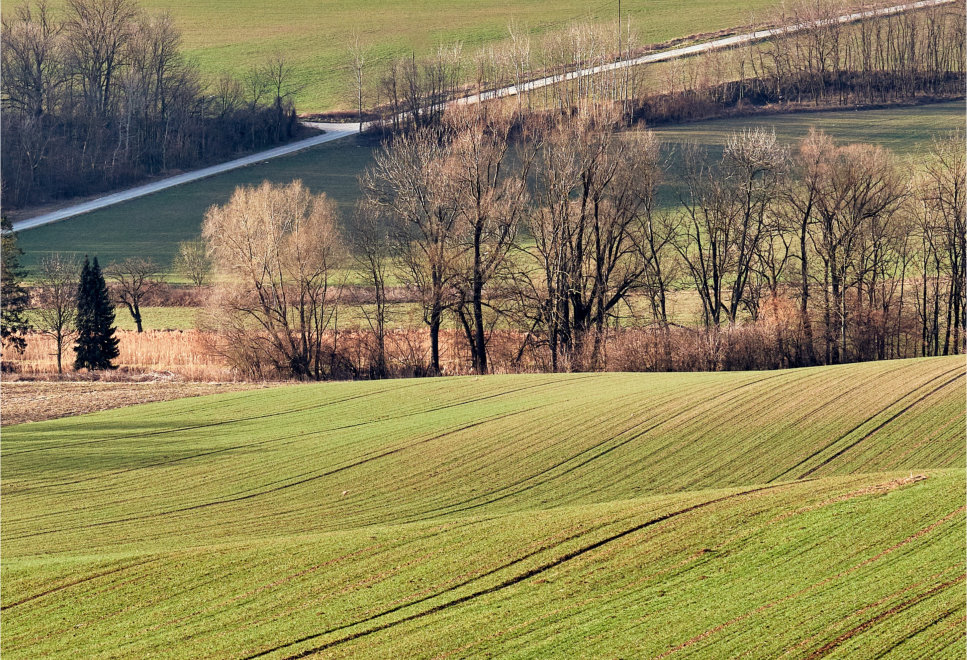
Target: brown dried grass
183, 353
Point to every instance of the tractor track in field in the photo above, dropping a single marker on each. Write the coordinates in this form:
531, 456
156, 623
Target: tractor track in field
937, 619
509, 582
88, 578
376, 454
824, 650
875, 489
473, 578
288, 577
282, 439
869, 419
292, 411
766, 606
195, 427
882, 424
449, 509
264, 587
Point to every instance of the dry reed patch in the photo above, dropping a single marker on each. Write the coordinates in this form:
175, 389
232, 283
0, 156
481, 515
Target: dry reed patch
34, 401
184, 353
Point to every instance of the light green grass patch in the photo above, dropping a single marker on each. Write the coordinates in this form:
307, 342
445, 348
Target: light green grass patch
547, 515
233, 37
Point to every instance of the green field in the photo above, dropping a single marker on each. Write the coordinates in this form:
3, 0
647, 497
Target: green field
906, 131
808, 513
314, 35
153, 225
152, 318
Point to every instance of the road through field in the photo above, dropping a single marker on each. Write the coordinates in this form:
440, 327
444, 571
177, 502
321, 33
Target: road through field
335, 131
696, 49
332, 132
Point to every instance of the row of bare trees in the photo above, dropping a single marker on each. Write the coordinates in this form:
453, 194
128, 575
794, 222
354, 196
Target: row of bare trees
555, 240
99, 95
897, 57
825, 62
877, 60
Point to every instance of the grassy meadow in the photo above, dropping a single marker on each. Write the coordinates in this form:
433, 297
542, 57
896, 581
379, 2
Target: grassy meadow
233, 37
153, 226
802, 513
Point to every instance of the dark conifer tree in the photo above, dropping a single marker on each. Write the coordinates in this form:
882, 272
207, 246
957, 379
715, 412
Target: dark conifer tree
13, 295
96, 344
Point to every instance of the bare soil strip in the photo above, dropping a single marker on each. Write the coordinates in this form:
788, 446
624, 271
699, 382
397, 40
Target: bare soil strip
36, 401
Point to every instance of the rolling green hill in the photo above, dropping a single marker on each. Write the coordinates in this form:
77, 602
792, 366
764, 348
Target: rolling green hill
810, 512
153, 225
315, 34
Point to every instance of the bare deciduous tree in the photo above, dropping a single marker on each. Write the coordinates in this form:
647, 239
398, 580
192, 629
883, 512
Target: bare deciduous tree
856, 185
276, 249
595, 190
194, 261
357, 59
33, 59
491, 197
55, 299
726, 220
411, 181
134, 279
372, 252
943, 189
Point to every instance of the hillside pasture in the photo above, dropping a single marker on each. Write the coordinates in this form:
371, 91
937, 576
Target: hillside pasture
809, 512
315, 37
153, 226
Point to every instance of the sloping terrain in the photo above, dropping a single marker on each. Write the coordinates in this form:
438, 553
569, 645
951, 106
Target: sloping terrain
233, 37
808, 513
152, 226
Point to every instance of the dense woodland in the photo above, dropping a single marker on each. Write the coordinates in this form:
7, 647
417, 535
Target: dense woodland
99, 96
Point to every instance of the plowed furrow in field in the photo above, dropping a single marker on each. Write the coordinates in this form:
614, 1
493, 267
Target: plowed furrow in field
509, 582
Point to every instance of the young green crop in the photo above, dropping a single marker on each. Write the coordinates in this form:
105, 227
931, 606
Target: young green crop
813, 511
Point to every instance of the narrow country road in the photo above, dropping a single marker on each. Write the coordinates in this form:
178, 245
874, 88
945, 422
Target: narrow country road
686, 51
332, 132
337, 131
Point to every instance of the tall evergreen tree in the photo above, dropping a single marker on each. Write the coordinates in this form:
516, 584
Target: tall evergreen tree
13, 295
96, 344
